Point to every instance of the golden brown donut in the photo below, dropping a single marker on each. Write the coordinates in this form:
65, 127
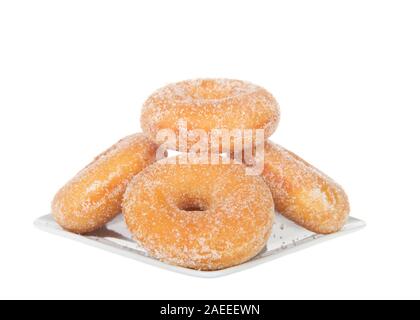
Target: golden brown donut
302, 193
199, 216
208, 104
93, 197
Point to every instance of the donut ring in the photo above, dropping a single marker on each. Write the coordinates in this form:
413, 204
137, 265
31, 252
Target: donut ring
208, 104
199, 216
302, 193
93, 197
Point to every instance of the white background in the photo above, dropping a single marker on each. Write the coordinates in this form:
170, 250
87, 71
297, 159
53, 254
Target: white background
73, 77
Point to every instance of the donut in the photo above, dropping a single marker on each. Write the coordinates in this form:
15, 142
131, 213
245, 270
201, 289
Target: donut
302, 193
199, 216
208, 105
93, 197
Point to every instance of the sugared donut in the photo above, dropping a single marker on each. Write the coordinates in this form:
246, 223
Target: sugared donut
93, 197
208, 104
199, 216
302, 193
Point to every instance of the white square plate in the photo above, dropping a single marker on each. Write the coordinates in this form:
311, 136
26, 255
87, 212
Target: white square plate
287, 237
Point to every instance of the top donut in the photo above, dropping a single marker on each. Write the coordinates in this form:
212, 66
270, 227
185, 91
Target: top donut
208, 104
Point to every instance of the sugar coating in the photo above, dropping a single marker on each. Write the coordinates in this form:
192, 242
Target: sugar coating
93, 197
209, 104
229, 222
302, 193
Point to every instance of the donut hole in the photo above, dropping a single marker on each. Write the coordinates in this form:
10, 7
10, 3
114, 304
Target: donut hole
191, 204
209, 90
216, 89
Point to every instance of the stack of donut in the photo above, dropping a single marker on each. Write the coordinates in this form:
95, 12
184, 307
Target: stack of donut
201, 215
